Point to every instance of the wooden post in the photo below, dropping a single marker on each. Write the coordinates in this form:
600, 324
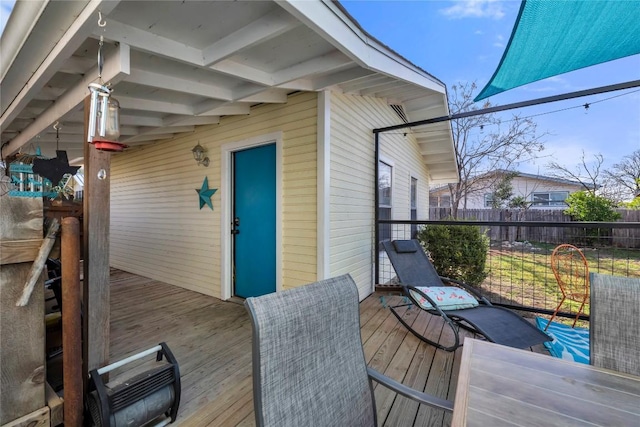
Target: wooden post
71, 323
96, 294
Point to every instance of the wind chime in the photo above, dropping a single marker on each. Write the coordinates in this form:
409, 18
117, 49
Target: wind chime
24, 181
104, 113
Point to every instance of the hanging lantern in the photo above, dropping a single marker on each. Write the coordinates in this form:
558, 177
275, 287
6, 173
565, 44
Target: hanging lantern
104, 119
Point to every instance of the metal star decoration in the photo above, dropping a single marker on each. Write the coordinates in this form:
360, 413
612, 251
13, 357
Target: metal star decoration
54, 169
205, 193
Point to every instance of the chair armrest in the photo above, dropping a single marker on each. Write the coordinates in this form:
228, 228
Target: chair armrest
402, 389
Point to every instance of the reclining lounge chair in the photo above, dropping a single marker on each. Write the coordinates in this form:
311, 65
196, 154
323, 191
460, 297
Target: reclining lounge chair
447, 298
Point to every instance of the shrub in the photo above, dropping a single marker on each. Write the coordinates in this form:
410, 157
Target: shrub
586, 206
457, 251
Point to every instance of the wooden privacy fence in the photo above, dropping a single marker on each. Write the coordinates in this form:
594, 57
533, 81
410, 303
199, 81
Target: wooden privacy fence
626, 237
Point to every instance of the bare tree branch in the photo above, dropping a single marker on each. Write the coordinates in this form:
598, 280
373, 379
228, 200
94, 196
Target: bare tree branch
587, 173
484, 143
623, 180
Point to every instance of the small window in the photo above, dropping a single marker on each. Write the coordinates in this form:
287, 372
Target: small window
384, 198
442, 201
488, 200
552, 198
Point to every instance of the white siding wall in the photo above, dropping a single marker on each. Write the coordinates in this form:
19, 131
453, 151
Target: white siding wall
352, 182
525, 187
157, 228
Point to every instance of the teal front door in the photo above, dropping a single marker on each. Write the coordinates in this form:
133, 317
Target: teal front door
254, 221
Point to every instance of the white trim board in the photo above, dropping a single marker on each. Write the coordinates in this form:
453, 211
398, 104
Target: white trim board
324, 186
227, 150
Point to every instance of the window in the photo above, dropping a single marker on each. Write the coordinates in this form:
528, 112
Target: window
551, 198
384, 199
488, 200
414, 206
436, 201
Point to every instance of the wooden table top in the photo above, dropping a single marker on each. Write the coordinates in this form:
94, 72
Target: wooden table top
500, 385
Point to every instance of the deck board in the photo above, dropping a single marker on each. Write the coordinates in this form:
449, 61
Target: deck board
211, 339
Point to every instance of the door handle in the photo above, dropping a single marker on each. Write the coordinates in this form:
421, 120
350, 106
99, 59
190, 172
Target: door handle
234, 225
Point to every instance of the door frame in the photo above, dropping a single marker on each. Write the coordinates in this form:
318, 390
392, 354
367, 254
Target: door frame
226, 179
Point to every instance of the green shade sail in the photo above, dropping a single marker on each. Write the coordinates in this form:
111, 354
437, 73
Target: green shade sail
552, 37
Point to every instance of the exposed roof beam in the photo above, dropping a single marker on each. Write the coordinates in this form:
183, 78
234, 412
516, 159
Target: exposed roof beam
400, 91
191, 120
31, 112
49, 93
164, 81
116, 65
132, 103
131, 119
322, 64
127, 118
437, 158
245, 72
151, 134
68, 128
272, 96
302, 84
226, 110
145, 137
68, 43
340, 77
390, 88
268, 26
149, 42
77, 65
68, 140
366, 82
431, 100
166, 129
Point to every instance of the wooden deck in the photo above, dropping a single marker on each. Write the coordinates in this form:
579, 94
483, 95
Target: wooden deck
211, 340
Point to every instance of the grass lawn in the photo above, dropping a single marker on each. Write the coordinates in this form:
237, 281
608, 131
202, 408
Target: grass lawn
523, 275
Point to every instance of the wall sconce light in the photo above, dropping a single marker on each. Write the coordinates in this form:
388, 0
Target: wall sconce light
199, 154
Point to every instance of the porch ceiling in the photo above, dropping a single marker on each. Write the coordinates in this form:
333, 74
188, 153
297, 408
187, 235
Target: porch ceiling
175, 65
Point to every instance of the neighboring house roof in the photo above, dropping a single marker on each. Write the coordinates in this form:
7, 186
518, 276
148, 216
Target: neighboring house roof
175, 65
439, 188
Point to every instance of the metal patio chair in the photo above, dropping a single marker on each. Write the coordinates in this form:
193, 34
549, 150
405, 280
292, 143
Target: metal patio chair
459, 304
614, 340
309, 367
571, 271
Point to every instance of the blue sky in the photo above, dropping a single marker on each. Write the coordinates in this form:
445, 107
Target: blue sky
463, 41
5, 11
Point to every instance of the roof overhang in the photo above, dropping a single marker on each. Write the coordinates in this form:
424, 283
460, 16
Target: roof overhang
175, 65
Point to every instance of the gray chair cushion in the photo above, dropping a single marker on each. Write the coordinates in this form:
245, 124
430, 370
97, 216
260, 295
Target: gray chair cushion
614, 323
309, 366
